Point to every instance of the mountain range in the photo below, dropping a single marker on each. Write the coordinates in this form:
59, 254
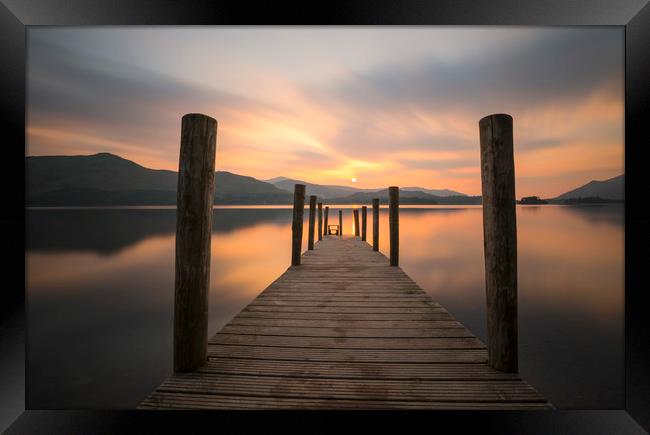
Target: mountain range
334, 191
107, 179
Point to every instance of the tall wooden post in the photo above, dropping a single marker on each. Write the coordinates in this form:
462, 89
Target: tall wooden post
375, 224
356, 222
312, 219
320, 221
364, 213
327, 212
296, 224
499, 240
393, 224
194, 201
340, 223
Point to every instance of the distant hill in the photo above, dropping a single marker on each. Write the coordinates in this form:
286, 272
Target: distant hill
320, 190
107, 179
435, 192
406, 197
612, 189
335, 192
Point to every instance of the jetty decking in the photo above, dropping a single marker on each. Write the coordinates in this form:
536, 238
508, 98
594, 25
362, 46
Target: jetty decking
345, 330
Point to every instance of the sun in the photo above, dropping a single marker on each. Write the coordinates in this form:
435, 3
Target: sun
354, 180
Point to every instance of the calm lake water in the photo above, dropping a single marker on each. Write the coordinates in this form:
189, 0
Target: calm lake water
100, 293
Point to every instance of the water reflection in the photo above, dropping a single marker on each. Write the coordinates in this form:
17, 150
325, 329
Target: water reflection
100, 290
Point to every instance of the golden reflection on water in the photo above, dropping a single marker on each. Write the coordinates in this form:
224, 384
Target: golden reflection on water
564, 258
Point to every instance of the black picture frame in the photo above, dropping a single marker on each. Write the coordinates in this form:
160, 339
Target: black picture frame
634, 15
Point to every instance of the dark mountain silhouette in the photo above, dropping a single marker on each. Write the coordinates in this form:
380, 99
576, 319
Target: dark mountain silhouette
331, 192
436, 192
612, 189
107, 179
405, 197
320, 190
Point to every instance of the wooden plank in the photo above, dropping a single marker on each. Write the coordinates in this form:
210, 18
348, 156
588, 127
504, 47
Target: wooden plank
349, 343
368, 370
353, 332
259, 302
167, 400
432, 356
346, 317
362, 389
365, 324
355, 310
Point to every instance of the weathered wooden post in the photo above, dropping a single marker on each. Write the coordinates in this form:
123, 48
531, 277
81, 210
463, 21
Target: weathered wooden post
356, 222
296, 225
312, 219
320, 221
327, 212
393, 224
194, 201
340, 223
375, 224
364, 212
499, 240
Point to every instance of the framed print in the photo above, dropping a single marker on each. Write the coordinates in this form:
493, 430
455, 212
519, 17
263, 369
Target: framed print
430, 211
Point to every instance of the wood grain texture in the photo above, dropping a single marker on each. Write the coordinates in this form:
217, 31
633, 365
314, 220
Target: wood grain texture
195, 193
320, 221
296, 223
312, 220
393, 224
345, 330
375, 224
499, 239
364, 219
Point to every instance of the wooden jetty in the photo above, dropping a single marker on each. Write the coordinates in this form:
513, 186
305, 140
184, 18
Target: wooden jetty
344, 327
345, 330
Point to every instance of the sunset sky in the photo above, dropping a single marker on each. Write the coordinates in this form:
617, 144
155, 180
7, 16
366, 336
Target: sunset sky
384, 105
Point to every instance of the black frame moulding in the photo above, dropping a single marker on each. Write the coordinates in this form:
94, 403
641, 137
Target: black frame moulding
634, 15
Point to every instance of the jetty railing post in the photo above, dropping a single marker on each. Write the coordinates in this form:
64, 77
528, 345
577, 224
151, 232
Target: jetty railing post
320, 221
327, 212
340, 223
194, 202
499, 240
296, 224
375, 224
393, 224
356, 222
364, 213
312, 219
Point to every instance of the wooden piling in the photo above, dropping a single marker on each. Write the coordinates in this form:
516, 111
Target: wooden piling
375, 224
296, 224
364, 213
312, 219
320, 221
340, 223
356, 222
194, 201
499, 240
393, 224
327, 212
